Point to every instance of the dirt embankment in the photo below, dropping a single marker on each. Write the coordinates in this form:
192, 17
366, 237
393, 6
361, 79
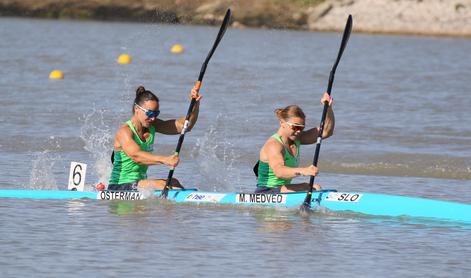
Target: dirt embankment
425, 17
422, 17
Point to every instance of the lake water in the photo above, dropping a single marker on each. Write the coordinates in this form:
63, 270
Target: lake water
403, 127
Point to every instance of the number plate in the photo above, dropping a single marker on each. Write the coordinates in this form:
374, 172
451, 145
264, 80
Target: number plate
77, 176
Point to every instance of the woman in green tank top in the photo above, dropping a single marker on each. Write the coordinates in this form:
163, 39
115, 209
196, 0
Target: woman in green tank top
279, 157
133, 144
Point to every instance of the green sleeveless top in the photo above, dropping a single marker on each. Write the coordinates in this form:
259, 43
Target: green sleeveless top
266, 177
125, 170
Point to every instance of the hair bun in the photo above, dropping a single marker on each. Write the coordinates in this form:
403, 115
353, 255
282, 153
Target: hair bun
289, 112
279, 113
140, 90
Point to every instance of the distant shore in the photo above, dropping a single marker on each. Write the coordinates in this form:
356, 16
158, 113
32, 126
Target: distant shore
415, 17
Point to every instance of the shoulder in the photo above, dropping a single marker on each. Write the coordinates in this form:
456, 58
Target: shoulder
124, 130
272, 145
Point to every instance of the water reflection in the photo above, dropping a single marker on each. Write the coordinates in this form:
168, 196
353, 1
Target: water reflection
141, 207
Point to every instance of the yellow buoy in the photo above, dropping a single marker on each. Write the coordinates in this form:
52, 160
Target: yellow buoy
177, 49
124, 59
56, 74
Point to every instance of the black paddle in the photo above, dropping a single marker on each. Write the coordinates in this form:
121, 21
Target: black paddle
346, 35
222, 30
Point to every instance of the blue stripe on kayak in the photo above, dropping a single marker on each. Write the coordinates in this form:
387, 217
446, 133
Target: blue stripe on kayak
46, 194
66, 194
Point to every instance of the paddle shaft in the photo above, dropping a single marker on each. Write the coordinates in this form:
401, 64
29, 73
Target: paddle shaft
221, 32
346, 35
321, 128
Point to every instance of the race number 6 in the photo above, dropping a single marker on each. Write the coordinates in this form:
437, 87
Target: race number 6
77, 176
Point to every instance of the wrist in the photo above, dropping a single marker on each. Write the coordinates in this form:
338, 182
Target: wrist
298, 172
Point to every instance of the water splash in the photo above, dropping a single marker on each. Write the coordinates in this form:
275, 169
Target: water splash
42, 176
215, 158
98, 137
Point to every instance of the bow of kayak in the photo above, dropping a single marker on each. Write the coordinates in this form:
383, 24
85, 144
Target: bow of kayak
396, 206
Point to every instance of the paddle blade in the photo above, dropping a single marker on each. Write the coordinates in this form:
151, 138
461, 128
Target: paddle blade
346, 35
305, 207
222, 30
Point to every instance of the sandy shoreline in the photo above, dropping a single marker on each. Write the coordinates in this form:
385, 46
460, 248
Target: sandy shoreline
417, 17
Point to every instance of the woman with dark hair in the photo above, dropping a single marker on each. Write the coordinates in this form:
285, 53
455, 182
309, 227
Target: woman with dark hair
279, 156
133, 144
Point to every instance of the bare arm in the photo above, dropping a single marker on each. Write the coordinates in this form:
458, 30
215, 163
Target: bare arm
273, 151
310, 136
329, 124
175, 126
191, 121
124, 140
169, 127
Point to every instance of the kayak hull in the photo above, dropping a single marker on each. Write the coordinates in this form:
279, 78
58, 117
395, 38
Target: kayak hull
365, 203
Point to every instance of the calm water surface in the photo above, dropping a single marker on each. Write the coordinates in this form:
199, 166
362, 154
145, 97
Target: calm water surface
403, 127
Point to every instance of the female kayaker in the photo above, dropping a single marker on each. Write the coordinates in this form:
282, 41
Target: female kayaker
134, 141
279, 157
